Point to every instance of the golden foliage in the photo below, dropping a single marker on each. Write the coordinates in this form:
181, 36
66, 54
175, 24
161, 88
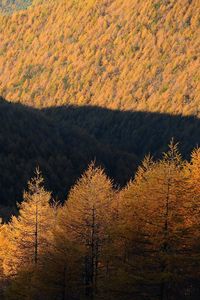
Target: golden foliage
143, 240
141, 55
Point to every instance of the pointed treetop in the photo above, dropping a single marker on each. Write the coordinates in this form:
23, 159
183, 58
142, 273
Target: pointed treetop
146, 165
173, 154
195, 156
37, 182
93, 171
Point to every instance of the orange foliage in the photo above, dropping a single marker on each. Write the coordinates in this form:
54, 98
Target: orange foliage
140, 55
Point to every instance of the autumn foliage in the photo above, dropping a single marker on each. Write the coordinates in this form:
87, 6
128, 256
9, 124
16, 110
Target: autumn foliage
141, 55
141, 242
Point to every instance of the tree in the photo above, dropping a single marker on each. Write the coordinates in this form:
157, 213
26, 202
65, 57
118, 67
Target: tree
192, 172
85, 218
28, 235
2, 246
155, 242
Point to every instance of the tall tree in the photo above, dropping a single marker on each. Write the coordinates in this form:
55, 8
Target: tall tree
192, 171
155, 206
2, 247
86, 216
28, 232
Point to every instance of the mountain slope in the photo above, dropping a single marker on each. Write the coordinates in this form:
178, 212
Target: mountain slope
63, 150
64, 140
141, 55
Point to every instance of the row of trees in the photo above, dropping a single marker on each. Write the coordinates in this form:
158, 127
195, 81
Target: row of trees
142, 242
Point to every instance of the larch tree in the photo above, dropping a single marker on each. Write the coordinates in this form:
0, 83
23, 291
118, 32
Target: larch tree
28, 235
59, 277
131, 239
192, 171
85, 218
2, 251
155, 202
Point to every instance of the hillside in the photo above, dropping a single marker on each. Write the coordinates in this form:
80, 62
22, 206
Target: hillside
138, 55
62, 149
64, 140
95, 80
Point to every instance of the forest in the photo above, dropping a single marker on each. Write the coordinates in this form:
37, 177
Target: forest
138, 242
64, 140
128, 55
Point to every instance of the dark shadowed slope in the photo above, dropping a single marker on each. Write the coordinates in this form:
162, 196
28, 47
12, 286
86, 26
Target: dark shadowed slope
28, 138
137, 133
64, 140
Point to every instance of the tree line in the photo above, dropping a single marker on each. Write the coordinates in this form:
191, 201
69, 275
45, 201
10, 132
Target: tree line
139, 242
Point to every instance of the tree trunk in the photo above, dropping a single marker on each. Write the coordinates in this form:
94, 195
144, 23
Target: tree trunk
36, 235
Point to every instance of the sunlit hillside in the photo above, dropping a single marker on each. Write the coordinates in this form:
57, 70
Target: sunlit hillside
141, 55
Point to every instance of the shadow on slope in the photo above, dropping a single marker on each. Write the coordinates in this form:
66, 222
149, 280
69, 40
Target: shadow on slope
63, 141
137, 133
28, 137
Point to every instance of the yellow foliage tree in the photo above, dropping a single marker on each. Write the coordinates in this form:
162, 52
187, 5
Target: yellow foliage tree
155, 228
27, 237
86, 217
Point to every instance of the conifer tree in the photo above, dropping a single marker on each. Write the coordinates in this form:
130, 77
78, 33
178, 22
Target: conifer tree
2, 246
85, 218
155, 207
28, 236
192, 171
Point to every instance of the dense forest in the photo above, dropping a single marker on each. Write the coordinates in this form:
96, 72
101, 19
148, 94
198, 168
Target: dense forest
140, 242
64, 140
63, 149
140, 55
